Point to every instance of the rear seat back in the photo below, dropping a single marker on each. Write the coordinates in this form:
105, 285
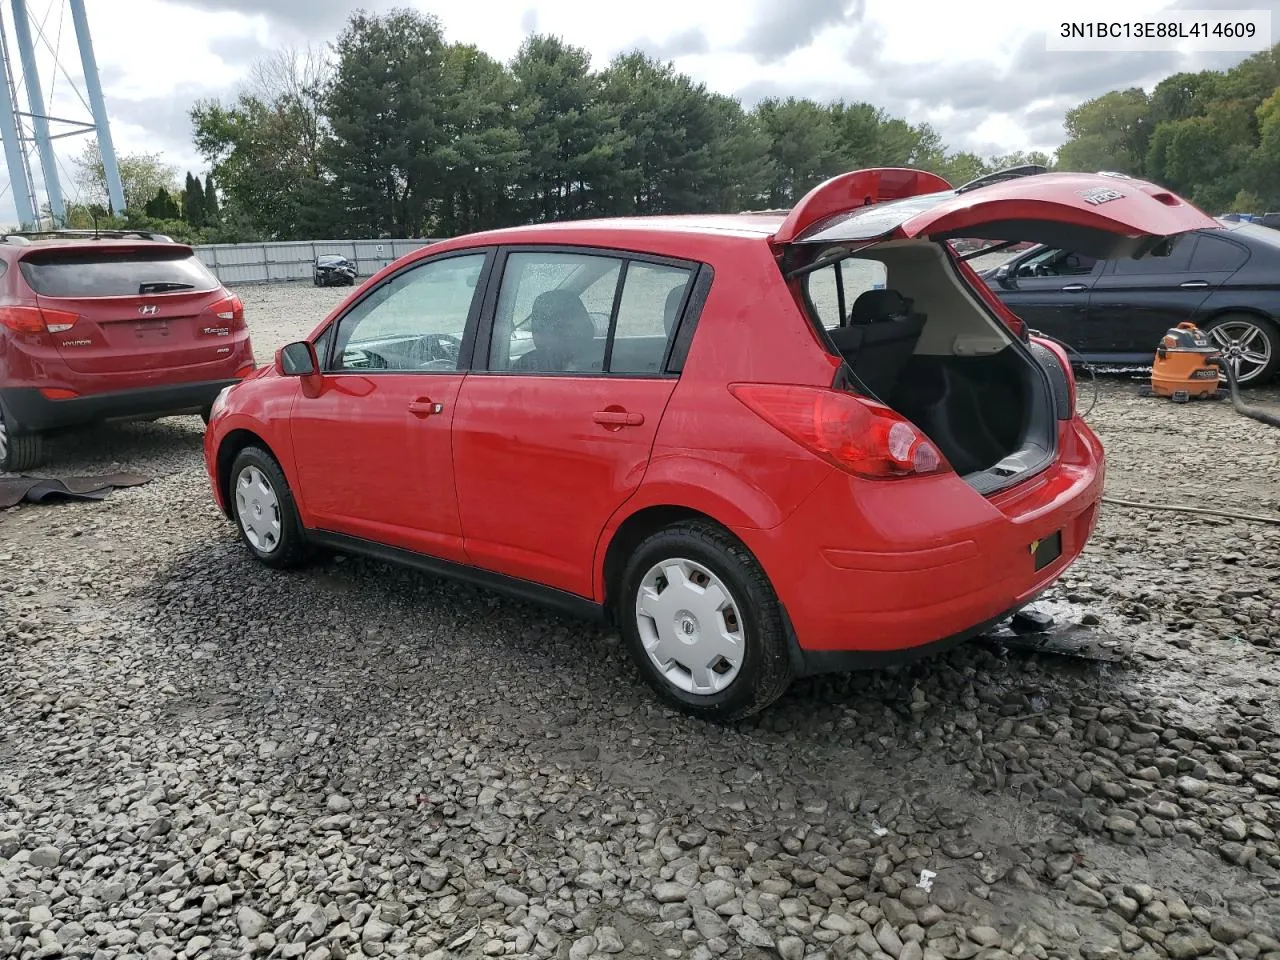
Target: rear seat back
878, 338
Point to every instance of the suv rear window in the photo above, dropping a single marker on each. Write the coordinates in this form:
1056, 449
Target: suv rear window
106, 273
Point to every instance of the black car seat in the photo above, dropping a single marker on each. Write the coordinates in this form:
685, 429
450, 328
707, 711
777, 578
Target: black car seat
671, 310
564, 338
878, 338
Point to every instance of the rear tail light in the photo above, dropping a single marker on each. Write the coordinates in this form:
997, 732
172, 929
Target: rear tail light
230, 308
853, 433
23, 318
245, 371
57, 393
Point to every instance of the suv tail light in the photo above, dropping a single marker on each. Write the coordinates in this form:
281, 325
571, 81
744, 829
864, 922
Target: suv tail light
230, 308
23, 318
853, 433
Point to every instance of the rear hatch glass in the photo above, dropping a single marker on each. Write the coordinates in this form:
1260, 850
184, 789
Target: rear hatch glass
100, 273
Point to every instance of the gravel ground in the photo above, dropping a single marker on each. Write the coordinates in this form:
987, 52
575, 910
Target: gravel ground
202, 758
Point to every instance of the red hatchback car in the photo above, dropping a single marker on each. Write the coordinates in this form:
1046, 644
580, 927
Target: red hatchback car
103, 326
763, 445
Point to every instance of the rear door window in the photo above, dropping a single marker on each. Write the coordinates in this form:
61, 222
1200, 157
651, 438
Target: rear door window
1213, 255
106, 273
1177, 261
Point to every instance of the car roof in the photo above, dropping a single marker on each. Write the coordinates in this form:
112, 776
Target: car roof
751, 225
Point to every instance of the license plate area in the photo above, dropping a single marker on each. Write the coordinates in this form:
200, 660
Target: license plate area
1046, 550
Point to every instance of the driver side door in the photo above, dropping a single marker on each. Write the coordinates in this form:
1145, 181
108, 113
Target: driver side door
1049, 289
373, 439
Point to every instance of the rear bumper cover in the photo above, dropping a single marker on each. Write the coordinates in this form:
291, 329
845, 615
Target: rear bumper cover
871, 573
27, 410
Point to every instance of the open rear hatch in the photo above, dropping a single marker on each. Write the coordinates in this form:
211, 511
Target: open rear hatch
926, 337
127, 308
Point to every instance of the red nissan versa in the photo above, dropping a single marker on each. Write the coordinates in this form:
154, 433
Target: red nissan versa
108, 326
801, 443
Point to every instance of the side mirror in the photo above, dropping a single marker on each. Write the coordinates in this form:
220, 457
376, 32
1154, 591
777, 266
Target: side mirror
1004, 277
298, 359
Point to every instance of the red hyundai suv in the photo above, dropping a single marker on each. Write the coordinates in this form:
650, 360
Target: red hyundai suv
801, 443
101, 326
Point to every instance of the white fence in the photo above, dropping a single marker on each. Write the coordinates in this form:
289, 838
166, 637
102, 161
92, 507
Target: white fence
234, 263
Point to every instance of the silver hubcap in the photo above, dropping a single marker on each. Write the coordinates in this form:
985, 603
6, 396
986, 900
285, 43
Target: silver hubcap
4, 442
1244, 346
690, 626
258, 508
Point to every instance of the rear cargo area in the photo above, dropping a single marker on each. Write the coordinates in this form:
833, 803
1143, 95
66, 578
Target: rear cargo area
914, 336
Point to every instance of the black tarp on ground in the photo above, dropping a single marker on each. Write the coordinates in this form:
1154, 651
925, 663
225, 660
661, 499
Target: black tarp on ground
14, 490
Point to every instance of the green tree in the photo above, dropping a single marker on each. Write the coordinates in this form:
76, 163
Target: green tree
1109, 132
386, 155
193, 202
573, 136
211, 212
162, 206
803, 147
142, 175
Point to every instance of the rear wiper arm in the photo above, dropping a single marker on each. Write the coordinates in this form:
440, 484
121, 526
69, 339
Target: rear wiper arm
159, 286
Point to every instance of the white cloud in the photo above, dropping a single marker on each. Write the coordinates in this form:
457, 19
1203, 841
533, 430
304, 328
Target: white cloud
977, 71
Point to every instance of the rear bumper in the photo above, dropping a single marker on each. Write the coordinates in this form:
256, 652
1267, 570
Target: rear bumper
872, 572
28, 410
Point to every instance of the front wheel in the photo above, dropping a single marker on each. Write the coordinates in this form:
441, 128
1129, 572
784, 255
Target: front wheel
264, 510
19, 451
702, 623
1249, 343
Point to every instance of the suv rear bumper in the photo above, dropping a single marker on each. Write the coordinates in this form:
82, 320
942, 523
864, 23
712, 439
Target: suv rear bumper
27, 410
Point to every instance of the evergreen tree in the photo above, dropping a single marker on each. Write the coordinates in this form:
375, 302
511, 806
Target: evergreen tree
193, 202
212, 215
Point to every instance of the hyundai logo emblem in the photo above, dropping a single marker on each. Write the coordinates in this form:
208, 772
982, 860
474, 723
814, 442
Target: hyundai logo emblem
147, 309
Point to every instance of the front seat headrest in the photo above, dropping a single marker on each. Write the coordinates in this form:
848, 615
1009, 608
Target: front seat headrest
879, 306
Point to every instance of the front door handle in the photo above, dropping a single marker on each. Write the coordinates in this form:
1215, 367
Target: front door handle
424, 407
1074, 287
618, 418
1190, 284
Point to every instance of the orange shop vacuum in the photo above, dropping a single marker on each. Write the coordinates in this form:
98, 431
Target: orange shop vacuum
1186, 365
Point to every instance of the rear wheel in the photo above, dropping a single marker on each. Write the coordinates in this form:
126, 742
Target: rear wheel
703, 624
264, 510
19, 451
1249, 343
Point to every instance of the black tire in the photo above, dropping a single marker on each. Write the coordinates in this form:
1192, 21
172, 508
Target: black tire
766, 669
291, 549
1269, 330
19, 451
206, 413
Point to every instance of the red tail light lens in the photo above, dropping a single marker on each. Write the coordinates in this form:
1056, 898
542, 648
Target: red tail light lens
31, 319
853, 433
230, 308
57, 393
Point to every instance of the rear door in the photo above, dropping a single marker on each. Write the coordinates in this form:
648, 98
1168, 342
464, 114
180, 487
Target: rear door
132, 307
1135, 302
555, 433
1049, 290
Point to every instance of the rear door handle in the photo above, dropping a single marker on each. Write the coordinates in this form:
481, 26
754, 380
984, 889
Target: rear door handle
1074, 287
618, 418
1194, 283
424, 407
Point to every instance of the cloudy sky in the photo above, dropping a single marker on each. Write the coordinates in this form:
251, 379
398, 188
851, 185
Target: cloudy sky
978, 70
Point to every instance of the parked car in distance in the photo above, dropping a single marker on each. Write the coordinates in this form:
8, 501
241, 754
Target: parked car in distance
1225, 279
803, 442
332, 269
105, 325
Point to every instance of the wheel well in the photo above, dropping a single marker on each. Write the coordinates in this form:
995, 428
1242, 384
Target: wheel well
232, 444
633, 531
1229, 311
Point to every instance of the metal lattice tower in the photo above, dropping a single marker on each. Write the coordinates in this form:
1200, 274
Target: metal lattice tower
20, 129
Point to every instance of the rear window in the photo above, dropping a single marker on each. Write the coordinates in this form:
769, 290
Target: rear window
106, 273
832, 290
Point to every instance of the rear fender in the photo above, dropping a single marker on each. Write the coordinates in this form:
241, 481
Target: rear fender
700, 485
